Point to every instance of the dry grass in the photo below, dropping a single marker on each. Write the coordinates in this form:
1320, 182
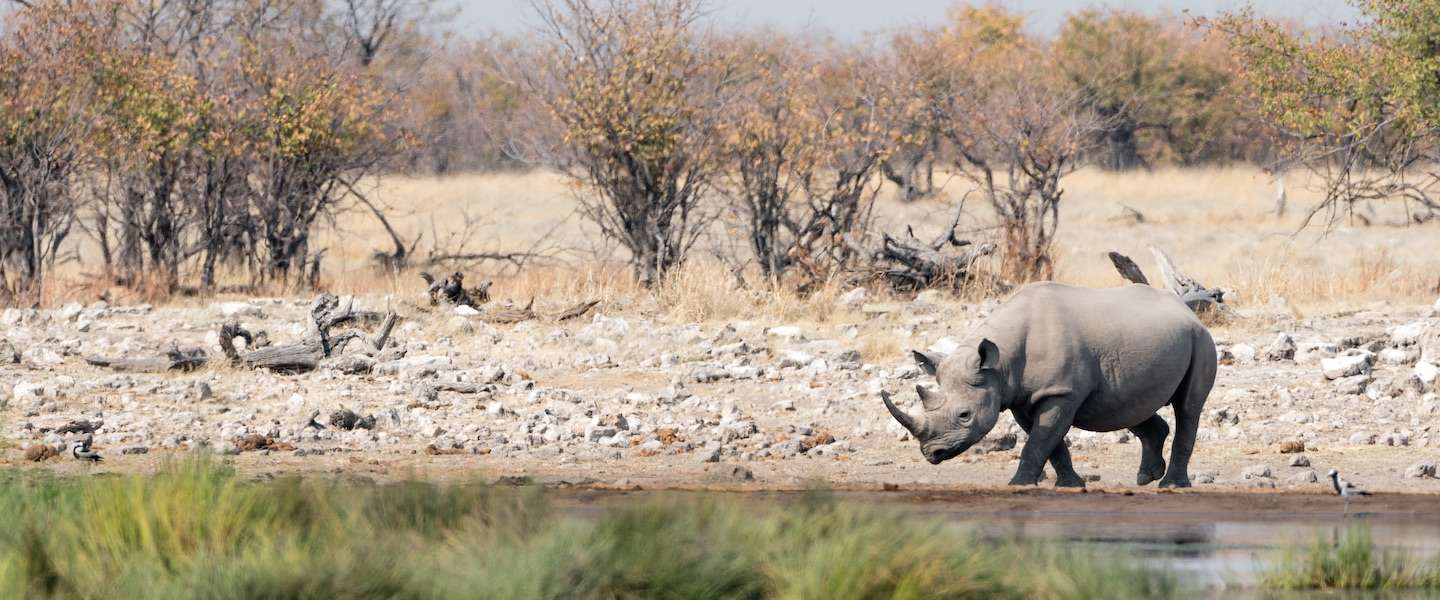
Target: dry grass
1216, 223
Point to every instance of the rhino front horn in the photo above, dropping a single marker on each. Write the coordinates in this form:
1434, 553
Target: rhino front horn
903, 417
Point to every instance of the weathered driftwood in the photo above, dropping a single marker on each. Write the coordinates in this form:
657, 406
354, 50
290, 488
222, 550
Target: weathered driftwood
1127, 268
507, 316
452, 290
576, 311
910, 264
429, 391
1195, 295
173, 360
326, 312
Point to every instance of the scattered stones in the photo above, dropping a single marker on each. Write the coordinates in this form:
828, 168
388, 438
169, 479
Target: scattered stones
254, 442
1421, 470
1302, 478
40, 452
820, 437
1255, 472
1353, 385
348, 420
786, 332
1299, 460
134, 450
1362, 438
1244, 353
1292, 447
1282, 348
1351, 364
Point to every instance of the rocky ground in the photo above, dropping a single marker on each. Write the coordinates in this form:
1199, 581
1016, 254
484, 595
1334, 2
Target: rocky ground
623, 398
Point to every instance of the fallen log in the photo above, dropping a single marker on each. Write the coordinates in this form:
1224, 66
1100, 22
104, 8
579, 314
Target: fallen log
510, 316
326, 312
576, 311
1195, 295
910, 264
173, 360
1127, 268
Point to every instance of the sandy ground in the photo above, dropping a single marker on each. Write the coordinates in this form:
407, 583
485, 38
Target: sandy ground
627, 399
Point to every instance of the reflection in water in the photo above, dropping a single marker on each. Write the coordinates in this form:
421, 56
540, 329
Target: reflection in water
1210, 549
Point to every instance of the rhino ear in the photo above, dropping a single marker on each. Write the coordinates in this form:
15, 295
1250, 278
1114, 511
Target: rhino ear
929, 398
928, 362
989, 355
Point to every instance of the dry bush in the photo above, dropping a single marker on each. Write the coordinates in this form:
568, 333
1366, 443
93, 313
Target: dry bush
638, 96
803, 151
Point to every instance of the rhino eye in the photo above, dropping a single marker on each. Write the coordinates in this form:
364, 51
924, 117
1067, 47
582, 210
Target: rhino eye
964, 415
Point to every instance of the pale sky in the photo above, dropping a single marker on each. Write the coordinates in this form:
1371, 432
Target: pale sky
854, 18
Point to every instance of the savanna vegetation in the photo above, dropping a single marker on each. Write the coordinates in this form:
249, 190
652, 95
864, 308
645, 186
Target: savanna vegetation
197, 530
1352, 561
197, 142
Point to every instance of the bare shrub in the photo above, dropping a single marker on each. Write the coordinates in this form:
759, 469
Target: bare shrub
1013, 126
637, 95
803, 151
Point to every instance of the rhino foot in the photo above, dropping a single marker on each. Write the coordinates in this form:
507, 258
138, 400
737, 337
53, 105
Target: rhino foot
1025, 480
1151, 472
1070, 480
1175, 482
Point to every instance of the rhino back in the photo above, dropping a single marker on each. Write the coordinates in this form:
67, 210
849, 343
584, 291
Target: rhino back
1125, 349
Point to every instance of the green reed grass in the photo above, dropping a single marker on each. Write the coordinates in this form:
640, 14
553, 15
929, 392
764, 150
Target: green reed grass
1352, 562
196, 530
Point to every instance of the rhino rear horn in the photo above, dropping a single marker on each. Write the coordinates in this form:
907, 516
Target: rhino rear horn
903, 417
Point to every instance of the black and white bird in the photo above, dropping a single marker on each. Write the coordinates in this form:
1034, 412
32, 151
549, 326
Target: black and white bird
1345, 489
80, 449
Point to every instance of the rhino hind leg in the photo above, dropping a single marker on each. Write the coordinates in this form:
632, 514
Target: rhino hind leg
1152, 433
1189, 400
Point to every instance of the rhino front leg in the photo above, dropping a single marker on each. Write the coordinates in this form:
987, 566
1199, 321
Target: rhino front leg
1065, 475
1052, 418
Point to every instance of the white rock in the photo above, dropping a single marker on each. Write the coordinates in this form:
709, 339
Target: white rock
30, 391
1350, 364
1362, 438
944, 345
1282, 348
239, 309
70, 311
1295, 416
1427, 372
795, 358
787, 332
743, 371
40, 357
1256, 472
1397, 357
465, 310
1302, 478
1407, 334
852, 298
1353, 385
1243, 352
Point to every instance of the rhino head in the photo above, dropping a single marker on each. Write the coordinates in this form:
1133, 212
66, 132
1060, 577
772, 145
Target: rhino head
966, 406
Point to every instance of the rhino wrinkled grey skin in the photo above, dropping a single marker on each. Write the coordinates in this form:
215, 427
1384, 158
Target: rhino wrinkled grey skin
1057, 357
